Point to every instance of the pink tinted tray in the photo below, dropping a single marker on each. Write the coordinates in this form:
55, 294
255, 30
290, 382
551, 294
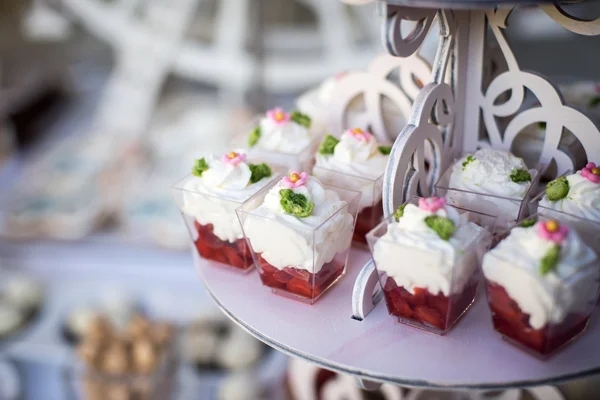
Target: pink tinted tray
471, 355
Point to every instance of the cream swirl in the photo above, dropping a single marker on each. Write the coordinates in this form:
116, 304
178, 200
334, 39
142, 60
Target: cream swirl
488, 172
515, 265
434, 264
224, 176
355, 159
284, 240
583, 199
213, 197
288, 137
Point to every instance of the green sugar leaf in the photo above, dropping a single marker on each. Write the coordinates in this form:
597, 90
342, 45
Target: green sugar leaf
557, 189
385, 150
295, 203
595, 101
399, 212
301, 119
254, 136
520, 175
199, 167
549, 262
528, 223
259, 171
444, 227
328, 145
469, 160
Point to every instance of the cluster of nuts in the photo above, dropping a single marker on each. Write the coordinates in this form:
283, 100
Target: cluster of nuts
135, 353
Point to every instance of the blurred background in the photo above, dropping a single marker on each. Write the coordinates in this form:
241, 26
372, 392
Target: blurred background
104, 104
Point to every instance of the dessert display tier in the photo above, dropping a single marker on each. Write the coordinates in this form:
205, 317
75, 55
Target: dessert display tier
471, 355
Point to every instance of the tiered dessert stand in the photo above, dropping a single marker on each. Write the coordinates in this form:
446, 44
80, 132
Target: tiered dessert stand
458, 110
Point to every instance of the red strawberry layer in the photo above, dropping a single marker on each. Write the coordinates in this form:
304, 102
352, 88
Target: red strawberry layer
513, 323
366, 220
236, 254
299, 281
437, 311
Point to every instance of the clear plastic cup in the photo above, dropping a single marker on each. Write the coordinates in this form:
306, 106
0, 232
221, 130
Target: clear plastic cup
417, 306
295, 261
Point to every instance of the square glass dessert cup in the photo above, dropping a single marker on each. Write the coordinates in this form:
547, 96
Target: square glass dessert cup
303, 160
370, 210
566, 321
321, 252
417, 306
214, 227
509, 210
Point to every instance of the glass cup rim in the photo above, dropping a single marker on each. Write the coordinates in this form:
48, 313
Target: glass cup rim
178, 186
390, 218
471, 246
535, 275
355, 196
539, 215
577, 217
373, 180
536, 174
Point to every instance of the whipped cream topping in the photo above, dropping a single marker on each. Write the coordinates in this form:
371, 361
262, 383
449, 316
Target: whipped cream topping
285, 240
415, 256
359, 159
488, 173
583, 199
284, 136
570, 287
356, 157
213, 198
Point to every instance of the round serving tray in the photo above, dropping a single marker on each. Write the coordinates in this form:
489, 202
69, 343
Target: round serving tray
471, 355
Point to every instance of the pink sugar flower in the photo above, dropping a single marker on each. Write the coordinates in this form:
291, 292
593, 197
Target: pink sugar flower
598, 88
295, 180
358, 134
591, 172
278, 116
233, 158
432, 204
552, 231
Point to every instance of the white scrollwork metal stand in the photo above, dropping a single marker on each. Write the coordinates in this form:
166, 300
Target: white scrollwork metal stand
453, 106
463, 104
376, 88
460, 108
455, 113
